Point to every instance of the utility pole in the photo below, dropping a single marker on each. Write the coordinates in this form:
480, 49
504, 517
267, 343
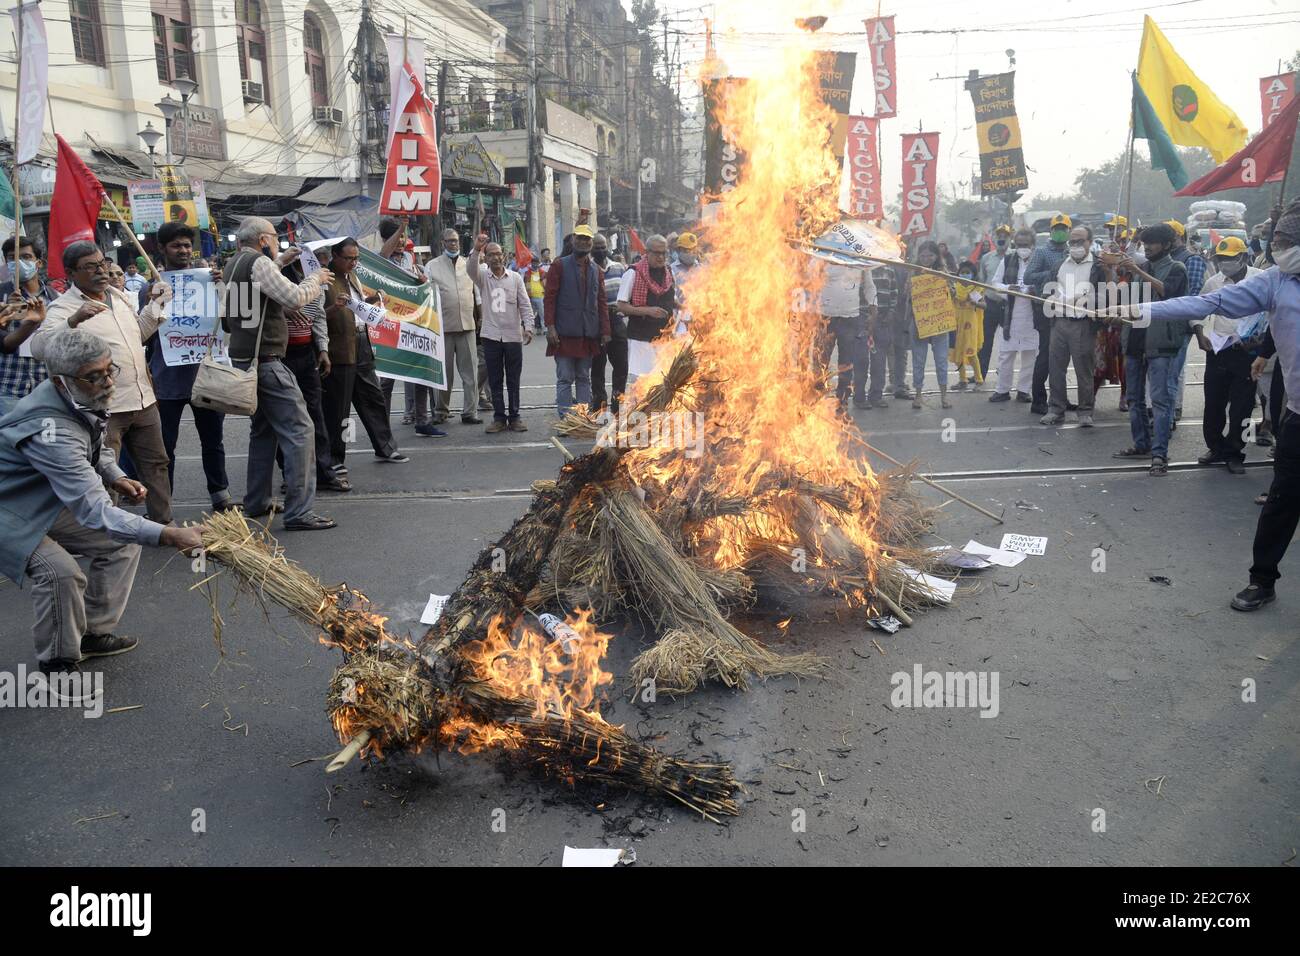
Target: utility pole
530, 180
363, 68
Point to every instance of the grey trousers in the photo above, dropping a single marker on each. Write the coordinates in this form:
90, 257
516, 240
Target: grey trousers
281, 421
460, 356
70, 603
484, 392
1073, 340
418, 399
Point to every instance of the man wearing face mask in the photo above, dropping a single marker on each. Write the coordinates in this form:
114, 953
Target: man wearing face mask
994, 303
54, 465
19, 374
577, 320
1228, 385
1040, 270
1277, 292
1074, 336
1017, 337
1149, 352
456, 293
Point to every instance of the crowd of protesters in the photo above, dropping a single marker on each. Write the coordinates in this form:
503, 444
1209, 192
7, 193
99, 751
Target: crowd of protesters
1120, 308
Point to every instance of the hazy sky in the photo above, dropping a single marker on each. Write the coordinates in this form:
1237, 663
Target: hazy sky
1072, 66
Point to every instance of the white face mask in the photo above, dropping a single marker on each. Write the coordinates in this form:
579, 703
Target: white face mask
1022, 252
1078, 253
1288, 260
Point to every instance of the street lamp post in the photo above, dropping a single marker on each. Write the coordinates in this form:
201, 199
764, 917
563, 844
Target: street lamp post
150, 136
170, 110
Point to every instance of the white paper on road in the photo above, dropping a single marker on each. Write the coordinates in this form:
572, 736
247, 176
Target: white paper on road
942, 589
597, 857
1024, 543
1006, 559
433, 610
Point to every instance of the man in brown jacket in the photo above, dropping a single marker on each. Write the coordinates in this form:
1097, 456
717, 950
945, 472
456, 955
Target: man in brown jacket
352, 382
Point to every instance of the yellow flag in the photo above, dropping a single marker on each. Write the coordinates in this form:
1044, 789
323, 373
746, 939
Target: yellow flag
1188, 109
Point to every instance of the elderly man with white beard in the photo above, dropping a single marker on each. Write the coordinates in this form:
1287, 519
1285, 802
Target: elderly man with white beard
54, 464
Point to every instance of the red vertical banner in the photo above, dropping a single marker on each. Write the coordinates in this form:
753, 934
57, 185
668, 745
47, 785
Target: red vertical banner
884, 73
413, 181
863, 171
1275, 92
919, 178
74, 207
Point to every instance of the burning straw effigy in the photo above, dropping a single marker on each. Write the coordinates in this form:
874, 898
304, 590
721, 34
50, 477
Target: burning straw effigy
708, 542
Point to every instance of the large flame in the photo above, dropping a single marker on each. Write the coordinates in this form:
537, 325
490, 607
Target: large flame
561, 677
770, 432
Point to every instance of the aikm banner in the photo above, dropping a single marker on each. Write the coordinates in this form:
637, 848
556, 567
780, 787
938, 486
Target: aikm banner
1002, 159
1275, 92
722, 160
406, 333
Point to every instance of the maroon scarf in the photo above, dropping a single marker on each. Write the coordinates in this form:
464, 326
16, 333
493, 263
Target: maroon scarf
644, 286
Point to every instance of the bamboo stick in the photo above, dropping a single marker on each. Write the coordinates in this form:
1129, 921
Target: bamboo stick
933, 484
139, 248
345, 755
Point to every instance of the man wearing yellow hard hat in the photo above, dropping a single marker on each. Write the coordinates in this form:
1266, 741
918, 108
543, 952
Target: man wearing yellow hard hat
1229, 389
687, 262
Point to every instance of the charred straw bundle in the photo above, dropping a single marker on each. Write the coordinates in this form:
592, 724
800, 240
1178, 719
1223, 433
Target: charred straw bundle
387, 696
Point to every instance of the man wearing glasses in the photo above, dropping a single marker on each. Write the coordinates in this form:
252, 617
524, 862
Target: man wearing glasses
93, 304
577, 320
54, 509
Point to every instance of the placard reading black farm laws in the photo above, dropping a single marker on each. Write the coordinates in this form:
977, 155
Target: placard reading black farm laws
1002, 159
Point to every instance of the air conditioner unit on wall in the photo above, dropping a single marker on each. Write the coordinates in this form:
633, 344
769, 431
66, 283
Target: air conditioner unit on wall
252, 92
329, 116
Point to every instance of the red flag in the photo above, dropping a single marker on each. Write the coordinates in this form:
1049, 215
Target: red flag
635, 242
981, 247
1263, 160
74, 208
523, 257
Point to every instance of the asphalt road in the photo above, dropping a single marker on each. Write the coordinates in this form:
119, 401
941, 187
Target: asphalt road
1116, 693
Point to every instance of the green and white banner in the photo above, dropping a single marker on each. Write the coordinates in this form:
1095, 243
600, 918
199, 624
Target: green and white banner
407, 335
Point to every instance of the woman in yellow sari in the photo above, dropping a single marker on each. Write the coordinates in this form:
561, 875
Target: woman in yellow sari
970, 330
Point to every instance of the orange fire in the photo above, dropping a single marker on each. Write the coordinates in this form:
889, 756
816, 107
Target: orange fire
561, 676
755, 326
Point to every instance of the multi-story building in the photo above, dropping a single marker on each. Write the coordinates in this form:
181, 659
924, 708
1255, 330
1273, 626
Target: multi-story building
598, 64
270, 90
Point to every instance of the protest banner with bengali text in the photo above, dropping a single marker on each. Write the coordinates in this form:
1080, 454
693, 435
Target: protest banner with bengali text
1002, 157
933, 306
407, 340
147, 201
919, 177
884, 71
192, 328
835, 81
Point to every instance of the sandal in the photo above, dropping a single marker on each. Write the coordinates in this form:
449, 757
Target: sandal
1132, 452
1261, 498
944, 403
916, 403
1159, 468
